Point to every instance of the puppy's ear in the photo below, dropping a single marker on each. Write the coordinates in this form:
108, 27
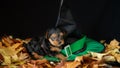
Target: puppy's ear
46, 34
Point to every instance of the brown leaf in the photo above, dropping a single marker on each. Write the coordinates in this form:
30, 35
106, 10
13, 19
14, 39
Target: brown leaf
7, 40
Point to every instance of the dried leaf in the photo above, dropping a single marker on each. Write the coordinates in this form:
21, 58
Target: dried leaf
23, 56
7, 41
1, 44
114, 44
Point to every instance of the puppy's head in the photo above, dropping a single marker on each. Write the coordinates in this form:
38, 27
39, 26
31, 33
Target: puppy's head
55, 36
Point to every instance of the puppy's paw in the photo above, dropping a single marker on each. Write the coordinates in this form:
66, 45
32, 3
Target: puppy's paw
56, 49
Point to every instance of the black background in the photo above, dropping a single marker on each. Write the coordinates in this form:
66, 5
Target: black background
98, 19
27, 18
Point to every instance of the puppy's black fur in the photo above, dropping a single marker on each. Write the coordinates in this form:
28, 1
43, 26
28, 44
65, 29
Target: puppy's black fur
41, 45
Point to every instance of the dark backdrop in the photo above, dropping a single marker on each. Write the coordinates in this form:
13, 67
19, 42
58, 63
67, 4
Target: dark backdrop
98, 19
27, 18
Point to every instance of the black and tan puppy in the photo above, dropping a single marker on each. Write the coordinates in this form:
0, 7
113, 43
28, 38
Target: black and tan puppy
50, 44
56, 39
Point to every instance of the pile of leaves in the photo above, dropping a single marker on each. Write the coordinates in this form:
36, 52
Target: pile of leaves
14, 55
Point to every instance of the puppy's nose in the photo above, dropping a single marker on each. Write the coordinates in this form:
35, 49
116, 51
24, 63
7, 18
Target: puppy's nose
59, 42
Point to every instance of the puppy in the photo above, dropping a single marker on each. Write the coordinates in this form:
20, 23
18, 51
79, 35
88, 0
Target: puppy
50, 44
56, 38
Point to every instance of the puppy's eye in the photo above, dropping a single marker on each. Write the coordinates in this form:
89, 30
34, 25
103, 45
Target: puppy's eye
53, 38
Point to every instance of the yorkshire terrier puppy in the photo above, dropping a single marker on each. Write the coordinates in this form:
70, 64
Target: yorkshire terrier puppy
50, 44
56, 38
